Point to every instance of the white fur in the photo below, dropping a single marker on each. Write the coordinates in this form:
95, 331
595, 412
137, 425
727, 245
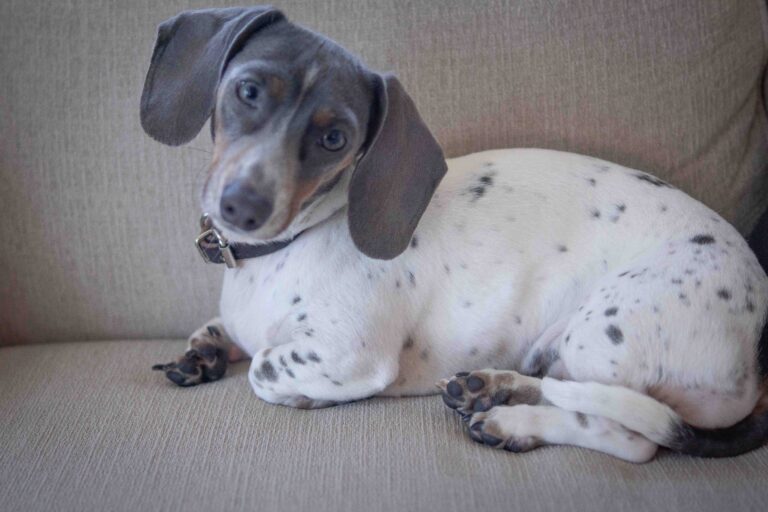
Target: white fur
532, 251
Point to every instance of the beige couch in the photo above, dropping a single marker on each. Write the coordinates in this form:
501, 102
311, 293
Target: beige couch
99, 279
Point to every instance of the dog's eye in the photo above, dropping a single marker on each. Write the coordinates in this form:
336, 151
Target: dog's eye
248, 92
334, 140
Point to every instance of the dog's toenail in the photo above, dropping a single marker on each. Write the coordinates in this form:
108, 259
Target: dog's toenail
454, 389
448, 401
475, 383
213, 331
462, 374
477, 427
491, 440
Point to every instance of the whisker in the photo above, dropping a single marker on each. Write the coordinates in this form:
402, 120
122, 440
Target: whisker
199, 149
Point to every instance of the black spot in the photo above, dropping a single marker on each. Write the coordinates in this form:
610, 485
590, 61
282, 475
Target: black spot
309, 332
677, 281
581, 418
653, 180
477, 192
290, 373
703, 239
562, 248
592, 181
454, 389
408, 343
447, 269
475, 383
301, 317
412, 278
567, 338
313, 357
750, 306
486, 180
621, 207
213, 331
611, 311
296, 300
624, 273
397, 283
663, 208
268, 371
414, 242
615, 334
336, 383
594, 213
467, 304
297, 358
282, 361
724, 294
424, 355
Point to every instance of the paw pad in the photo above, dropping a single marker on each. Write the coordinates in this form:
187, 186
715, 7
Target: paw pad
205, 363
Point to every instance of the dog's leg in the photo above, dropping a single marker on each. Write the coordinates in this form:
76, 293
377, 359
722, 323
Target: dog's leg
507, 410
309, 373
209, 350
520, 428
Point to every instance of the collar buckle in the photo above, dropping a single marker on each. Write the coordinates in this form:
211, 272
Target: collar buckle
212, 245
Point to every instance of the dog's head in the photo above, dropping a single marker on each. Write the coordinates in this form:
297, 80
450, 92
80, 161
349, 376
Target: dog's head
291, 113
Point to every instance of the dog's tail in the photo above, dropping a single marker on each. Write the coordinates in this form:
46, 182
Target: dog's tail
657, 421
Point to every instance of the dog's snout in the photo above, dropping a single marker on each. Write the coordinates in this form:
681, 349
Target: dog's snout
243, 207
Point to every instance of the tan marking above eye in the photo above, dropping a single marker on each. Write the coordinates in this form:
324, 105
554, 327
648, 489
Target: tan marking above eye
276, 87
323, 117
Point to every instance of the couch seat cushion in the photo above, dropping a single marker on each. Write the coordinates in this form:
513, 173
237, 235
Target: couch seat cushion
87, 426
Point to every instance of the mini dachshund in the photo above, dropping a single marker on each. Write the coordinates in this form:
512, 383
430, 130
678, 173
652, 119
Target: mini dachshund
609, 309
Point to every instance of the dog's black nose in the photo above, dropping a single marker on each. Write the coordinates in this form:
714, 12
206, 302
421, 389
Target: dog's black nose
243, 207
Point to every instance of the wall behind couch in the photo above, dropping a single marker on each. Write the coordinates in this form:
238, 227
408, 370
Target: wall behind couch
98, 220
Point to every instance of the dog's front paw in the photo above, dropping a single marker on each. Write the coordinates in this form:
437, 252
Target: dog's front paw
204, 363
478, 391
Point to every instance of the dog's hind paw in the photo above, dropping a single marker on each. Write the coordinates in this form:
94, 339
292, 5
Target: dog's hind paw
478, 391
204, 363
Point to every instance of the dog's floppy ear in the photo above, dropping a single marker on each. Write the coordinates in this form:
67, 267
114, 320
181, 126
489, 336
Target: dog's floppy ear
396, 177
190, 54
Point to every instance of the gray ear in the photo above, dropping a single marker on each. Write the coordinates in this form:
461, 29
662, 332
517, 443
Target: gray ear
190, 54
394, 181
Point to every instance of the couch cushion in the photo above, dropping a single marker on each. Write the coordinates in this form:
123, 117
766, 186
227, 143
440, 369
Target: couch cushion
87, 426
98, 219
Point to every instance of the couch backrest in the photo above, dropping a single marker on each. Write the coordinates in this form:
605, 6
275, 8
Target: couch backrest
97, 219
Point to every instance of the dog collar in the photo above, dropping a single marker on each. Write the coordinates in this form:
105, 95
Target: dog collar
215, 248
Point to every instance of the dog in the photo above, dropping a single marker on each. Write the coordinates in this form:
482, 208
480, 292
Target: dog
610, 310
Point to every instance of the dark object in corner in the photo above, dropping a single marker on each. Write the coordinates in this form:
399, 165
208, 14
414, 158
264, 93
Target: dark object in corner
758, 241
